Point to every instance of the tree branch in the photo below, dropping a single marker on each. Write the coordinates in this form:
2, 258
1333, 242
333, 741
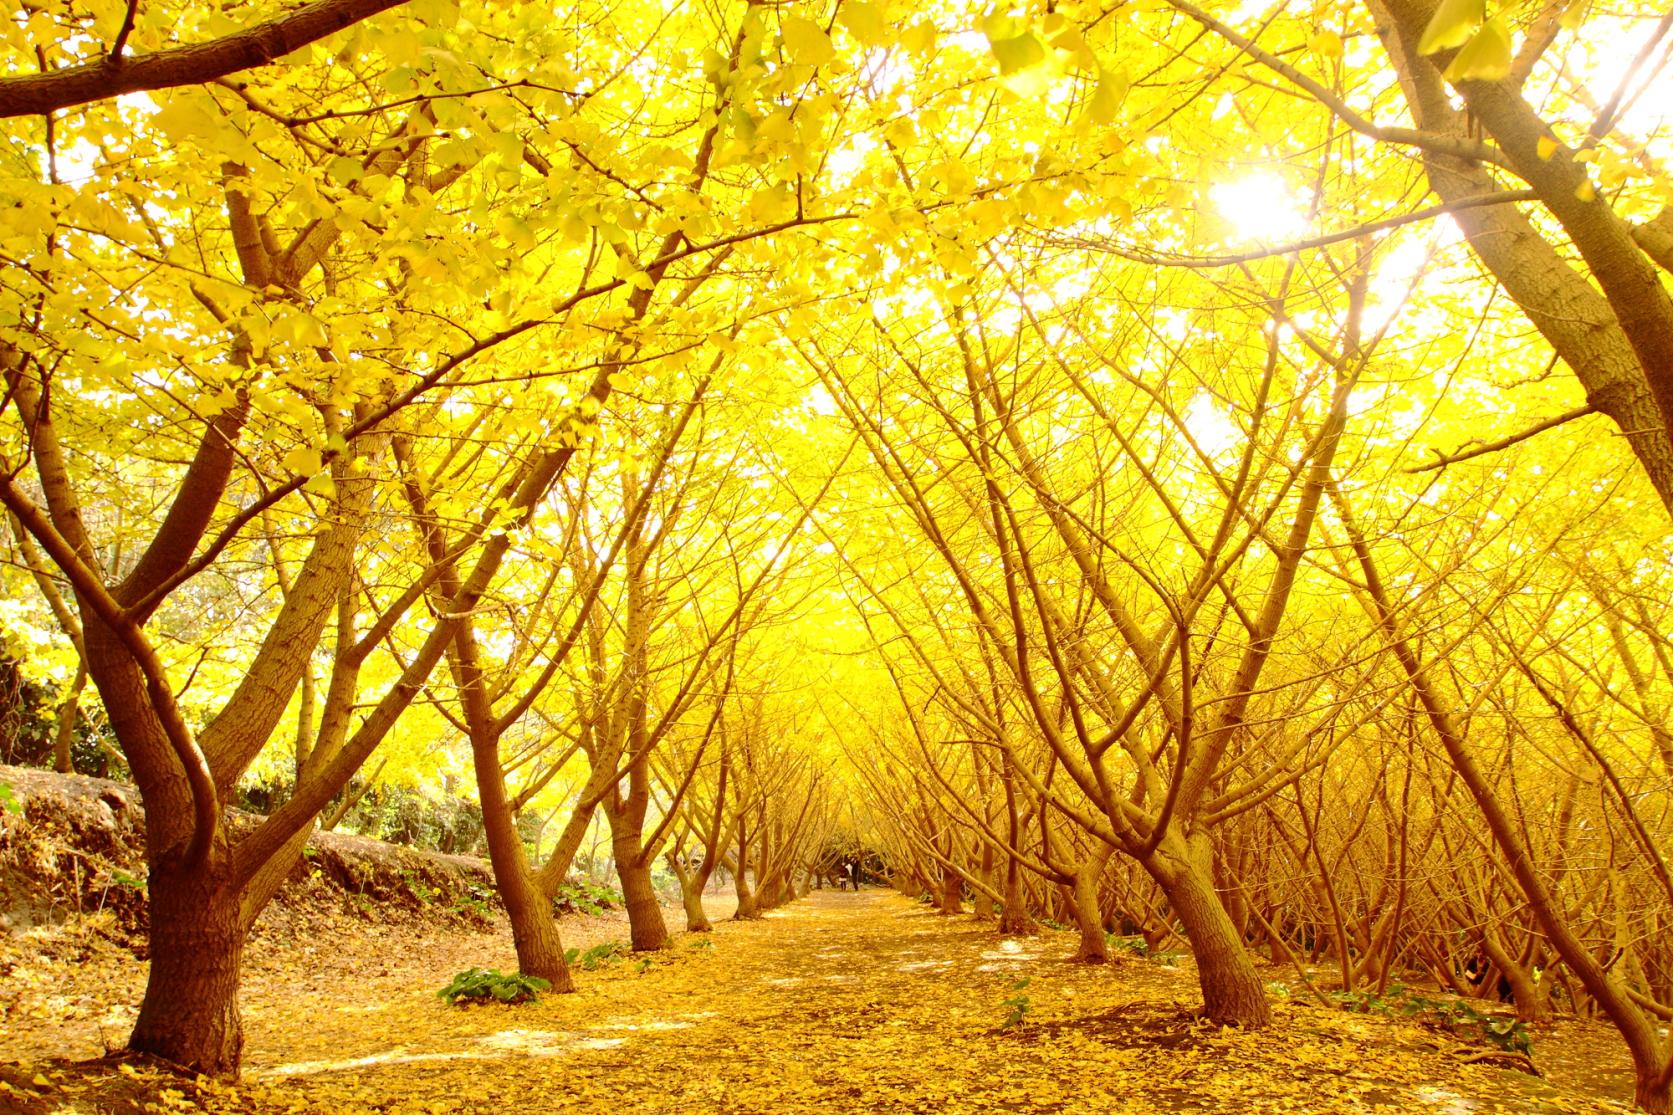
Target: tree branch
1442, 460
112, 75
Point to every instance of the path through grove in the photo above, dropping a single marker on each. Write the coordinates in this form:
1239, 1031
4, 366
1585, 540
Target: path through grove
840, 1002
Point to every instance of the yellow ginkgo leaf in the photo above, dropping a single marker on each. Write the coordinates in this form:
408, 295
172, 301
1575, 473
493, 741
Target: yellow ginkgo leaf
1486, 57
1451, 25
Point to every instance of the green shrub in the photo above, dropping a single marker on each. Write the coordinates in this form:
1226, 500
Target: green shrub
597, 956
479, 985
585, 898
1456, 1016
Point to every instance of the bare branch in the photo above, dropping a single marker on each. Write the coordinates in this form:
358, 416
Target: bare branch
1442, 460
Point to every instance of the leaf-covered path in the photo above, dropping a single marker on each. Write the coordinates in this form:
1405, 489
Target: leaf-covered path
840, 1002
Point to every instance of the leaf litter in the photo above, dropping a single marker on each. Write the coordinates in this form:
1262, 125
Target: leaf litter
840, 1002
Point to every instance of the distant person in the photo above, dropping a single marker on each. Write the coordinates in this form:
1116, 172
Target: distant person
853, 871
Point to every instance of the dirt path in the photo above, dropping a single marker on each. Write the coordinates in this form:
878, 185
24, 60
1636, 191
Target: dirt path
839, 1003
849, 1002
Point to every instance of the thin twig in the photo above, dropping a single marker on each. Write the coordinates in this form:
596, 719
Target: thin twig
1442, 460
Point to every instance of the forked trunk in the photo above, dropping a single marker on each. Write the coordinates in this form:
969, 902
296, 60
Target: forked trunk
646, 928
691, 895
748, 906
190, 1011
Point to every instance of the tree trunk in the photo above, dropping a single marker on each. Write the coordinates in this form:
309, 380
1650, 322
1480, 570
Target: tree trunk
696, 918
748, 906
1093, 948
778, 891
539, 945
1013, 919
1523, 989
1232, 991
533, 931
64, 731
980, 900
646, 928
952, 891
190, 1012
692, 885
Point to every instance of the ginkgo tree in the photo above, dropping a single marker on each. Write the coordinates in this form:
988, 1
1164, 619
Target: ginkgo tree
1020, 419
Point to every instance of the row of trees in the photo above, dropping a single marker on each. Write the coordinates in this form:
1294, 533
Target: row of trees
562, 388
309, 370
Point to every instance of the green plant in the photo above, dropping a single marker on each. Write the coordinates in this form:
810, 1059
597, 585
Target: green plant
8, 800
596, 957
418, 888
1138, 946
1457, 1016
702, 943
480, 985
472, 905
585, 898
120, 878
1018, 1004
643, 966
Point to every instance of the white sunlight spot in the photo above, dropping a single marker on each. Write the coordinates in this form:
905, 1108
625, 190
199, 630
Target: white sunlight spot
1609, 44
819, 401
1260, 207
1209, 427
846, 161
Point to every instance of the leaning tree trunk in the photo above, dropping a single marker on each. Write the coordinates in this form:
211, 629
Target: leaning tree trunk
533, 930
1232, 991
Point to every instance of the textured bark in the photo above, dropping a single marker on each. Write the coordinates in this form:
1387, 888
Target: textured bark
190, 1011
1584, 327
29, 94
1093, 949
533, 931
646, 927
1232, 991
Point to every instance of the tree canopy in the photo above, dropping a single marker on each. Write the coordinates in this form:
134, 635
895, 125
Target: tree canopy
1185, 469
